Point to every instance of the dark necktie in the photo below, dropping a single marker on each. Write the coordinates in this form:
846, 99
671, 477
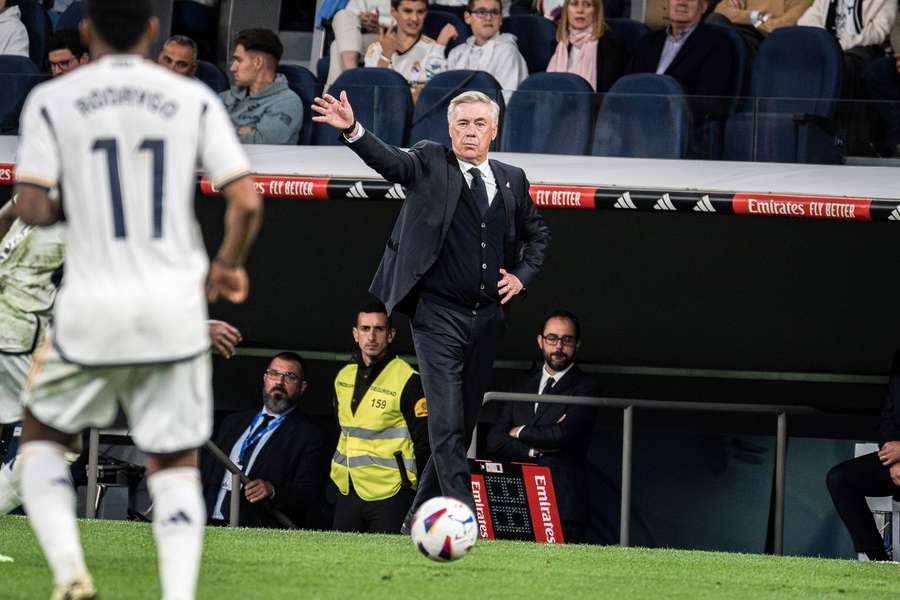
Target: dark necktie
248, 452
479, 191
548, 389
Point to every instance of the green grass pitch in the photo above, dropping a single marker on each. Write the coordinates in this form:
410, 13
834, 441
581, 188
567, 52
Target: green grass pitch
255, 563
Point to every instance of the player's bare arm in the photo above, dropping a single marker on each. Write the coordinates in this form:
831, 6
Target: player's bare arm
34, 206
227, 277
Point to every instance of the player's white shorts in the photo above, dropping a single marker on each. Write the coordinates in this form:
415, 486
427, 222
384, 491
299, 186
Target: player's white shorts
168, 405
13, 372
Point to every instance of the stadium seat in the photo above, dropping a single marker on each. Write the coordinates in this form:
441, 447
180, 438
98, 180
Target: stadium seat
304, 84
381, 102
18, 75
435, 21
212, 76
629, 31
322, 66
536, 37
643, 116
37, 22
71, 17
430, 116
795, 87
714, 130
550, 113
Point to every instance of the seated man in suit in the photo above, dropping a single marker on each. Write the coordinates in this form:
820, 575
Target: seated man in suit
876, 474
553, 435
280, 450
698, 56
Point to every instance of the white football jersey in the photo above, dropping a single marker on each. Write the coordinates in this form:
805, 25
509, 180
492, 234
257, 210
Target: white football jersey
122, 137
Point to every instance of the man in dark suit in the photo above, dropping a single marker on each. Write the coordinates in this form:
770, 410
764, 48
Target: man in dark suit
697, 55
553, 435
279, 449
467, 240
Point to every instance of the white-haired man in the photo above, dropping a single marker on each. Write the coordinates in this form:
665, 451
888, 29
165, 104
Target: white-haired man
467, 240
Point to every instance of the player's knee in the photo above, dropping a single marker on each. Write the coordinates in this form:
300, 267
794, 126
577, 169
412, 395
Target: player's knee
33, 430
172, 460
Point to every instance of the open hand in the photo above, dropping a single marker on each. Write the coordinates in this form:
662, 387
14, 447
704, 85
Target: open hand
334, 112
508, 286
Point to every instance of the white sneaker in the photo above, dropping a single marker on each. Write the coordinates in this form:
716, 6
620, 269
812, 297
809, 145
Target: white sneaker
81, 587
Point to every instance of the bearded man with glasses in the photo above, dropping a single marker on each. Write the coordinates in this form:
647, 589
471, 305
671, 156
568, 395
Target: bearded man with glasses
553, 435
280, 450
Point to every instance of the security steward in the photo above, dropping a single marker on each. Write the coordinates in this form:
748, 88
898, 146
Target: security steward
383, 443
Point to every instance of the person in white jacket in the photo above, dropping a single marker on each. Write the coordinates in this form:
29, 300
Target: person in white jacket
13, 35
355, 27
855, 23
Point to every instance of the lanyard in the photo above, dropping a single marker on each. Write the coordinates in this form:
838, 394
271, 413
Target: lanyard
250, 441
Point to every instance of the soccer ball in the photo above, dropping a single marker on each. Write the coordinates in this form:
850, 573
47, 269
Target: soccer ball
444, 529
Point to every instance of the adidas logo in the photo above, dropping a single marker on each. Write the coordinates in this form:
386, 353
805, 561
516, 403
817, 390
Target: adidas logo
179, 517
664, 203
624, 201
396, 192
704, 205
895, 214
357, 191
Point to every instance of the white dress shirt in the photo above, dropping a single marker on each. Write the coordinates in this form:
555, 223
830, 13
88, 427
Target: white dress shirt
490, 184
545, 375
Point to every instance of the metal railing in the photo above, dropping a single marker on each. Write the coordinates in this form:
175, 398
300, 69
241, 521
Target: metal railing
628, 405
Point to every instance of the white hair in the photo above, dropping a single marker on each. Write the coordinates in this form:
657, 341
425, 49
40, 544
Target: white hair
471, 97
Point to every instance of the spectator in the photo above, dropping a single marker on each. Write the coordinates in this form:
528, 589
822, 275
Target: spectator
487, 49
261, 105
875, 474
66, 52
179, 54
586, 46
882, 81
553, 435
13, 35
415, 56
355, 28
278, 448
382, 413
755, 19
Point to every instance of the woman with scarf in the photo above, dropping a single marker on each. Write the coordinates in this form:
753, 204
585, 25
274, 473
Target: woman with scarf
586, 46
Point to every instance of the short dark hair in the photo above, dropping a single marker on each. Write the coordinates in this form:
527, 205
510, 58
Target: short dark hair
66, 39
260, 39
563, 314
395, 4
372, 305
471, 5
119, 24
183, 40
291, 357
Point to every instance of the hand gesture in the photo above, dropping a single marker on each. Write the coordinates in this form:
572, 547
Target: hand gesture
368, 21
334, 112
508, 286
738, 4
229, 283
258, 489
389, 42
889, 454
224, 337
447, 33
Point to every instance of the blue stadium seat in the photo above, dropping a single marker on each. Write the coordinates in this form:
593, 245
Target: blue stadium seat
212, 76
381, 102
536, 38
37, 22
629, 31
796, 84
322, 67
643, 116
18, 75
713, 130
550, 113
304, 84
71, 17
430, 116
435, 21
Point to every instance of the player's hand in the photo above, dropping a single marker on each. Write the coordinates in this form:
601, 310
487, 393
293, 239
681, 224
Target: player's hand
889, 454
514, 432
895, 474
387, 38
368, 21
508, 286
228, 283
448, 32
334, 112
258, 489
224, 337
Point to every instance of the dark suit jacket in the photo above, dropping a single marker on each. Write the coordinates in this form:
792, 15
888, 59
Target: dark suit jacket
612, 59
704, 66
889, 428
433, 184
291, 460
566, 442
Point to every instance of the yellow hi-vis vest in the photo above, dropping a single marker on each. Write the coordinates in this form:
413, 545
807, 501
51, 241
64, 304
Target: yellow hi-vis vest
370, 437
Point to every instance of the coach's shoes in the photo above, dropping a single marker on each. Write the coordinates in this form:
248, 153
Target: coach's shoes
81, 587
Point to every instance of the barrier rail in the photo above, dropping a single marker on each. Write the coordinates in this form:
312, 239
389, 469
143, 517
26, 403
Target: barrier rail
628, 405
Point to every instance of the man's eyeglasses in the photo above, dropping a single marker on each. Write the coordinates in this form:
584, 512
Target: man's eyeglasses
63, 65
484, 13
287, 375
553, 339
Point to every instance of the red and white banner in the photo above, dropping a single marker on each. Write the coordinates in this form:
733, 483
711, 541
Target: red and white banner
542, 501
7, 174
276, 186
810, 207
482, 510
563, 196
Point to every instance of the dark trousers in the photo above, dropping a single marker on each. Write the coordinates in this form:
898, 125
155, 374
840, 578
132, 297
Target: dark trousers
883, 83
849, 483
352, 513
455, 350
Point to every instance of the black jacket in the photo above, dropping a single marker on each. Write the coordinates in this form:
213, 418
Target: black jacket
433, 184
565, 442
292, 460
889, 430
